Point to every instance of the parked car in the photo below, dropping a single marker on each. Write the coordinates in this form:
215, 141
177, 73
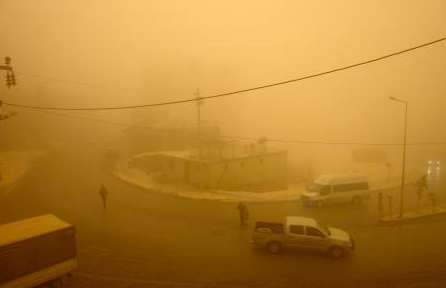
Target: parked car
304, 234
336, 188
35, 251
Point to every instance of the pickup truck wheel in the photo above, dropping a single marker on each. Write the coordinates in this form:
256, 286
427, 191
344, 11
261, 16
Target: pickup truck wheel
356, 200
274, 247
336, 252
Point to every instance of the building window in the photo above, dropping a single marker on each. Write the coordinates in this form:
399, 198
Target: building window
172, 164
261, 161
242, 164
198, 167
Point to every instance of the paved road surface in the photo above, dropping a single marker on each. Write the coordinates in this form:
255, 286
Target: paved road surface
151, 240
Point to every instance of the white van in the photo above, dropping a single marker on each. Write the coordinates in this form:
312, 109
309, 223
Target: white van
337, 188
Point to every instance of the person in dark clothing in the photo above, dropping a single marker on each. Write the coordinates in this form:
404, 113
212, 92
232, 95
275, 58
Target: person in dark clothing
243, 213
103, 192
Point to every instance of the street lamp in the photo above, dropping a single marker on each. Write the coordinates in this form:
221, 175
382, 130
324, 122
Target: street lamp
404, 154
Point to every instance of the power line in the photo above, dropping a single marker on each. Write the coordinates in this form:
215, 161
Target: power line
79, 83
238, 91
238, 137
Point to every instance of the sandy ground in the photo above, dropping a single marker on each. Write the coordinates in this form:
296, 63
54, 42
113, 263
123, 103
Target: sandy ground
15, 164
155, 240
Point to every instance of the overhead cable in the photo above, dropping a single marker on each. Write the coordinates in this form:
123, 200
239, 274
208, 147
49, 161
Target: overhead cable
136, 126
239, 92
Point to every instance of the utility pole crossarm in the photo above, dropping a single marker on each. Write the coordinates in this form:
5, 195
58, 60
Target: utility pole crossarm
5, 67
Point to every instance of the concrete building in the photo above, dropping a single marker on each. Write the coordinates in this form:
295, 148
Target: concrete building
220, 165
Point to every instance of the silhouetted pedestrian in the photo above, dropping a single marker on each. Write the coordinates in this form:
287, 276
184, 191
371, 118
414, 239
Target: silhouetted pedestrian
243, 214
103, 192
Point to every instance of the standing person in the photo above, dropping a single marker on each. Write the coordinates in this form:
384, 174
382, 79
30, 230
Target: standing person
245, 216
243, 213
103, 192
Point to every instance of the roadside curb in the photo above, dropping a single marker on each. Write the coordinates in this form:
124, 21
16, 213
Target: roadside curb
145, 182
408, 218
140, 179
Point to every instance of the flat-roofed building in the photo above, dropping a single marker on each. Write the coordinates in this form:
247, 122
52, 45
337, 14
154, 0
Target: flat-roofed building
220, 165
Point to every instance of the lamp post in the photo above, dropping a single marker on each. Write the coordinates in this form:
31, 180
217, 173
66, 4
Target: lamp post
404, 154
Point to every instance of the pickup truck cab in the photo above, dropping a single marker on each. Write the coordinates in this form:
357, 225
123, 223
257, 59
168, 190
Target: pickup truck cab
304, 234
336, 188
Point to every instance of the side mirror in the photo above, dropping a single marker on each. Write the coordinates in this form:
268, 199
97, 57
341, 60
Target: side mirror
264, 230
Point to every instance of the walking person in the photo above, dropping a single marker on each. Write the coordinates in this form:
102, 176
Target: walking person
103, 192
243, 213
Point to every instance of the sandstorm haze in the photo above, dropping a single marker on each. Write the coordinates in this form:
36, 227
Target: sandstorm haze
184, 195
165, 49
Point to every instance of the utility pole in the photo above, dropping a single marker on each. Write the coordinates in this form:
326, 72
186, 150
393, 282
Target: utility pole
404, 153
199, 103
7, 66
10, 81
10, 77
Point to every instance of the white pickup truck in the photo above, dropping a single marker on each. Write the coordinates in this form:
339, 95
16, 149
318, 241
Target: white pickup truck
302, 233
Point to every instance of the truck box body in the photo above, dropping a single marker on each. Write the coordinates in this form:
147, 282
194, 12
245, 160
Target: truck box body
36, 250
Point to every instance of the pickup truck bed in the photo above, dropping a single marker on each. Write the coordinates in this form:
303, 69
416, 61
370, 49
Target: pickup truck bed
276, 228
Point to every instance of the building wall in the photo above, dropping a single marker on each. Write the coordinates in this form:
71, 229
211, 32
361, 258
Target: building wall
260, 173
174, 168
257, 173
148, 163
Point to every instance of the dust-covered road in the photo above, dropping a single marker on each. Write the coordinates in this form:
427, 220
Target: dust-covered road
150, 240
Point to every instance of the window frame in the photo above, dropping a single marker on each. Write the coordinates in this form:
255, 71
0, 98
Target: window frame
303, 230
347, 187
316, 229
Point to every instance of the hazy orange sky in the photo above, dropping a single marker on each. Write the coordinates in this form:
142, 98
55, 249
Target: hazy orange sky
168, 48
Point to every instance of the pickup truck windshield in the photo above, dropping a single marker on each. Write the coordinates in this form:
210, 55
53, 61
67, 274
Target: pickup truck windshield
324, 229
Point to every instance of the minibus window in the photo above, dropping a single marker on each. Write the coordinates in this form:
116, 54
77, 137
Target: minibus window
321, 189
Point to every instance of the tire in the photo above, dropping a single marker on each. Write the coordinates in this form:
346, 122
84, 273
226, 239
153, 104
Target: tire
356, 200
274, 247
336, 252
